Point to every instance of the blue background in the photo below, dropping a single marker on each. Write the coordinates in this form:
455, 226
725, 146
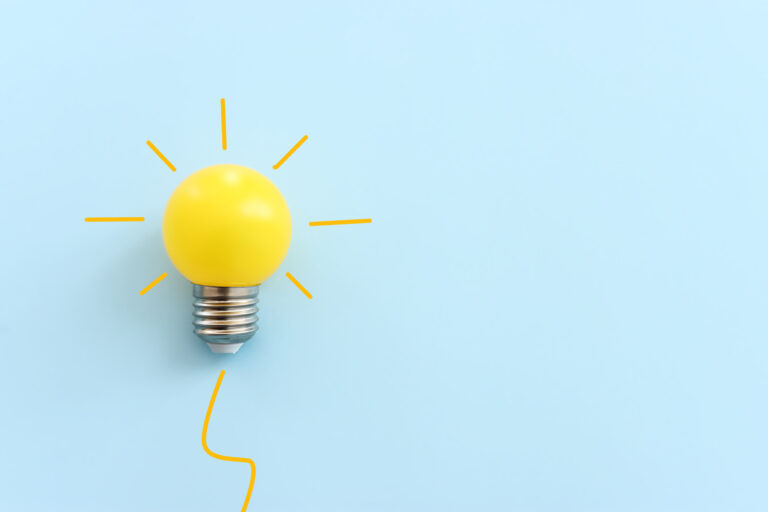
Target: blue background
560, 303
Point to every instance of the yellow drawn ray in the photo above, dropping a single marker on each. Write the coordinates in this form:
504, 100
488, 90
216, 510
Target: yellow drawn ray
223, 126
339, 222
298, 285
114, 219
162, 156
153, 283
290, 152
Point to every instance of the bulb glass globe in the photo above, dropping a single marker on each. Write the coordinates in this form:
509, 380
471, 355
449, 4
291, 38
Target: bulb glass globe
226, 228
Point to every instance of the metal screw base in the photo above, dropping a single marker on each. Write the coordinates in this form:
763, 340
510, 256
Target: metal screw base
225, 317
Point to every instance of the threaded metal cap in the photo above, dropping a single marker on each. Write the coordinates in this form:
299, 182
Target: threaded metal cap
226, 317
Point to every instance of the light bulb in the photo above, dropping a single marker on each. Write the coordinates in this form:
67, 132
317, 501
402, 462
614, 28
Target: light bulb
226, 228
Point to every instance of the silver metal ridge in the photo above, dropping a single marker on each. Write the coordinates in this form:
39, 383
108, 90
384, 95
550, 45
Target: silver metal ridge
226, 317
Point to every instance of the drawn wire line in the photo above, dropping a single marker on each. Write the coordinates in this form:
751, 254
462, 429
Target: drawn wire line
226, 457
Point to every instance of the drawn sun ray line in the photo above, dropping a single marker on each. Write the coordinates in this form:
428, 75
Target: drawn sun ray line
289, 153
114, 219
153, 283
162, 156
226, 457
223, 126
298, 285
339, 222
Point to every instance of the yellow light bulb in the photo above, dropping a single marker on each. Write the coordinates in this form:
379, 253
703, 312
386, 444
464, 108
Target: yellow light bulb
226, 228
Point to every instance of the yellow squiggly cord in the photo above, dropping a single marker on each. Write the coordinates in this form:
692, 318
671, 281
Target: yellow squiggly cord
225, 457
